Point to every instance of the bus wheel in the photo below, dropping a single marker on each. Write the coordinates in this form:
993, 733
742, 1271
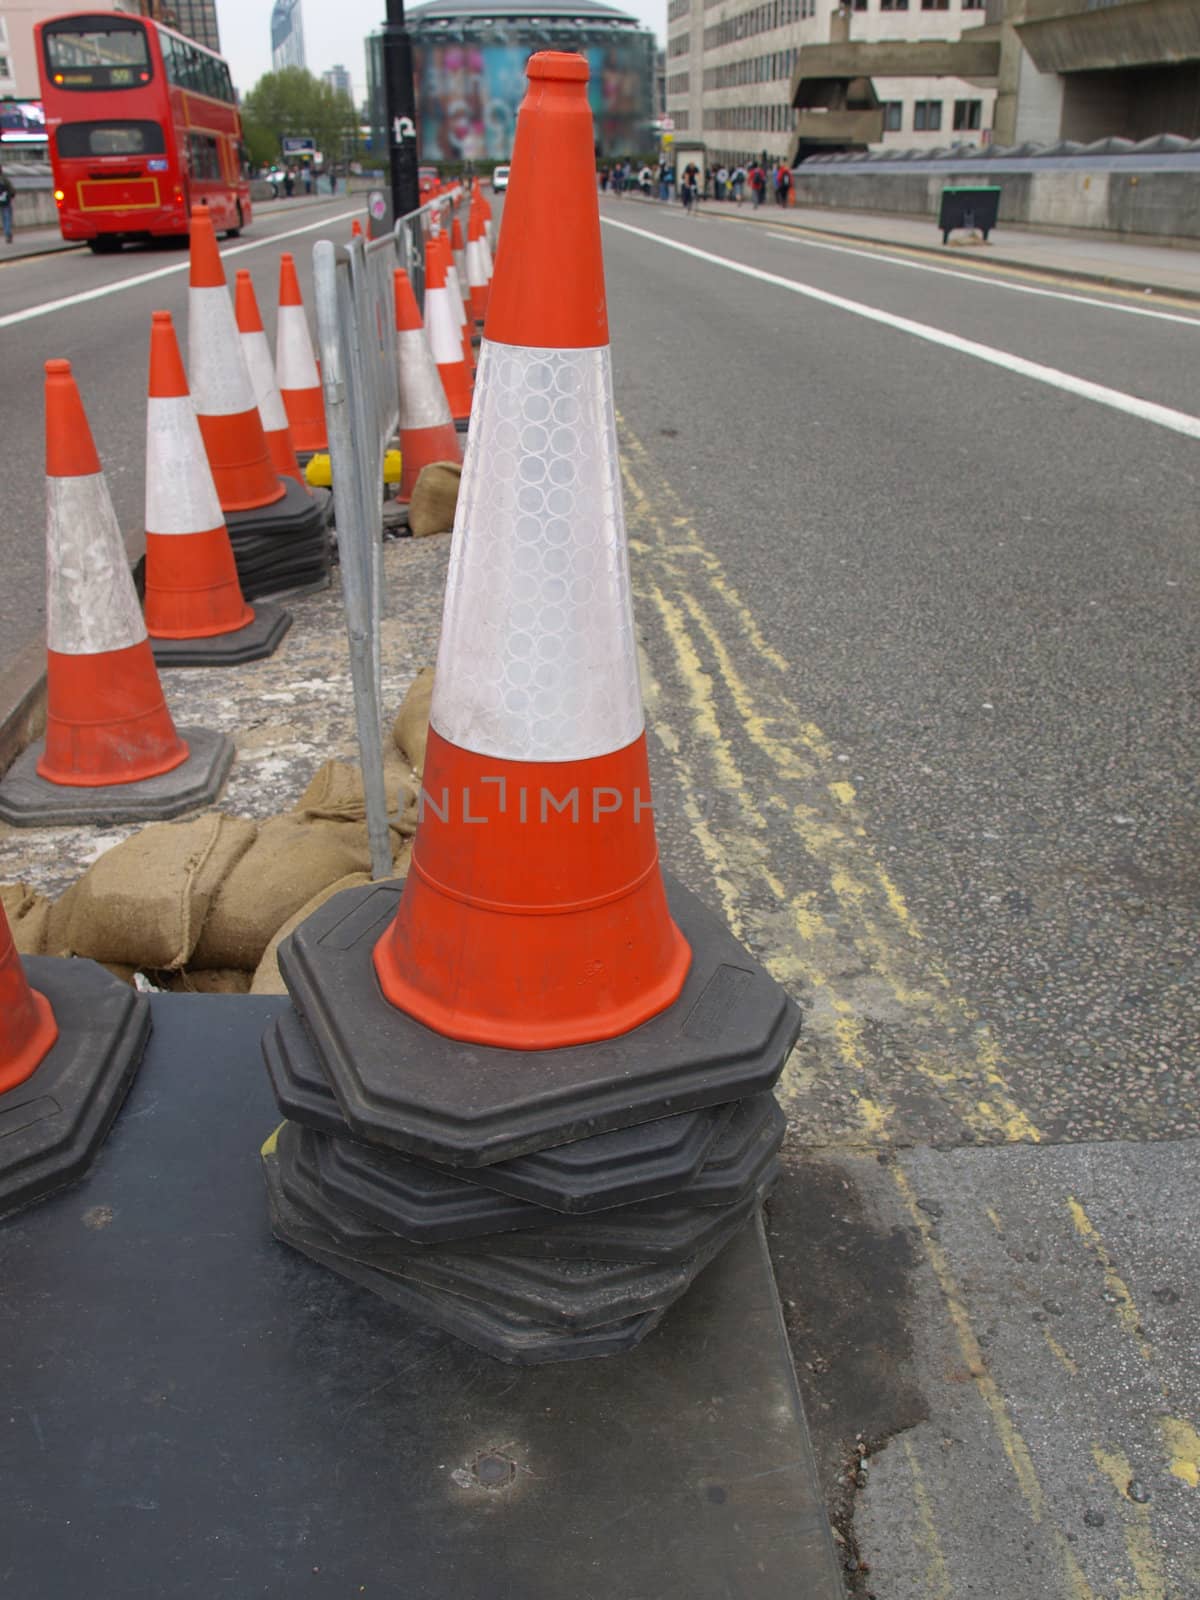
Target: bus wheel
232, 233
104, 246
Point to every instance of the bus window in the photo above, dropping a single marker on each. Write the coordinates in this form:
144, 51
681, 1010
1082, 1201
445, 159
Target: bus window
98, 54
110, 139
204, 158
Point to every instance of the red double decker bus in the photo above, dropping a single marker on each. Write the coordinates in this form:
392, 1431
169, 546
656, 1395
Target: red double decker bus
143, 124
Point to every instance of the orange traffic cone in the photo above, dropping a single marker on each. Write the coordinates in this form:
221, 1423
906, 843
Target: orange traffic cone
459, 247
548, 926
71, 1040
111, 751
441, 324
195, 612
27, 1026
224, 400
262, 379
478, 274
441, 242
427, 431
356, 231
296, 366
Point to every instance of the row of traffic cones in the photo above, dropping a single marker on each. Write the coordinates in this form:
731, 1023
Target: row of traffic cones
221, 462
222, 479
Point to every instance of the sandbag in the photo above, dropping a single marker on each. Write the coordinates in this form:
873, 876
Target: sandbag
335, 794
225, 980
434, 499
410, 730
291, 860
28, 914
144, 902
267, 979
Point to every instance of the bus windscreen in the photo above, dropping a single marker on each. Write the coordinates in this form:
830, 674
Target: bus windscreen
97, 55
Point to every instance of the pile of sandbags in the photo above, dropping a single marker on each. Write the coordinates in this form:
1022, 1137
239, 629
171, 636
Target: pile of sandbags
203, 904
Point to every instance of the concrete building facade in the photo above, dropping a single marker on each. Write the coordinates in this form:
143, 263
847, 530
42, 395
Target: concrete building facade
287, 35
730, 65
338, 79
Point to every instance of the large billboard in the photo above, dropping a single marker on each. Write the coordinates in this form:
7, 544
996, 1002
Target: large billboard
468, 94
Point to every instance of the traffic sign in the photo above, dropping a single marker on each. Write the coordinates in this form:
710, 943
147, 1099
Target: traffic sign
377, 205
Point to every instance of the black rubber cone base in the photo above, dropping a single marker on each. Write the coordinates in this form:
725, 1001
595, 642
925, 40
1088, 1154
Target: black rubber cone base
282, 548
570, 1292
421, 1207
28, 801
53, 1124
400, 1084
504, 1335
610, 1169
260, 637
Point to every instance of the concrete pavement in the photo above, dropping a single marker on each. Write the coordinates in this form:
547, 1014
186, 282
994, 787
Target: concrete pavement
915, 562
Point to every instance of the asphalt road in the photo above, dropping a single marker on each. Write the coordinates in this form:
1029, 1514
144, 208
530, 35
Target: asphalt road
915, 558
921, 639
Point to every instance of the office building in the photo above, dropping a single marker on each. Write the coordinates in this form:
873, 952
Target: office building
338, 80
287, 35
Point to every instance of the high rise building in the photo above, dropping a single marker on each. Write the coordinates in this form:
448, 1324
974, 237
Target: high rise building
287, 35
338, 80
195, 18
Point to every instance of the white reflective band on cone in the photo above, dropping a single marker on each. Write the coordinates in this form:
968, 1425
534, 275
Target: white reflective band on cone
91, 604
217, 372
180, 494
262, 380
442, 327
537, 660
423, 402
476, 270
295, 363
456, 298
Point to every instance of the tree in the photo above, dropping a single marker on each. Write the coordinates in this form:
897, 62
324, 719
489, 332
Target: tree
293, 103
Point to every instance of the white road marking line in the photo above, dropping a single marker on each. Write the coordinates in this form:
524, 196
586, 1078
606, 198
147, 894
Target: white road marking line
48, 306
1115, 399
988, 280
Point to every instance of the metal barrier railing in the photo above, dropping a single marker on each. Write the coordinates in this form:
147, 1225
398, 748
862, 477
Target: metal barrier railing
356, 331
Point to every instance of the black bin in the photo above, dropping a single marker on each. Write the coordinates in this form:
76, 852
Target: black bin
973, 207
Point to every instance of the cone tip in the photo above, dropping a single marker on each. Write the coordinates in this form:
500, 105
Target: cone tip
58, 368
562, 66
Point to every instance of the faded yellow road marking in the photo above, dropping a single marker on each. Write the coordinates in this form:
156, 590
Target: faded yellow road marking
1183, 1449
1011, 1440
1118, 1290
1140, 1548
937, 1574
873, 918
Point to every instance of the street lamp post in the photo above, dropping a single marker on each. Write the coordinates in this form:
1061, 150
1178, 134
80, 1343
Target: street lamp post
401, 108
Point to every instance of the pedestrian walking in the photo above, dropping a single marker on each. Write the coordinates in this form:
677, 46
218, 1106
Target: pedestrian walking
332, 181
783, 184
308, 181
738, 183
645, 177
603, 180
289, 183
689, 189
7, 195
722, 183
758, 184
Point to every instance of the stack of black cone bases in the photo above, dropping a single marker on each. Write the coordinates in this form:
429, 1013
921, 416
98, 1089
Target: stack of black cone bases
539, 1205
281, 548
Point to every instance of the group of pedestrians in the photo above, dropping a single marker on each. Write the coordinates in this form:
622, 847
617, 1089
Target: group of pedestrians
713, 183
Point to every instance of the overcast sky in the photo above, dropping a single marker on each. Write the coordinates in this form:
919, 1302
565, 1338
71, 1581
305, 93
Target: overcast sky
334, 31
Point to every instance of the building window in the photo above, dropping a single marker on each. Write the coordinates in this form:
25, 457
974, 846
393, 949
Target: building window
968, 115
893, 115
678, 8
860, 5
974, 5
679, 83
935, 5
927, 114
893, 5
680, 44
